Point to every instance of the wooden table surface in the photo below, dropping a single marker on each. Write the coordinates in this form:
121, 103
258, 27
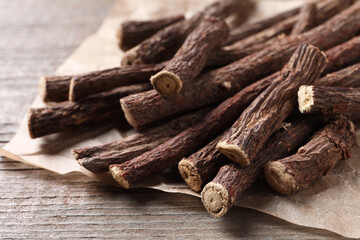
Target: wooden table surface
36, 36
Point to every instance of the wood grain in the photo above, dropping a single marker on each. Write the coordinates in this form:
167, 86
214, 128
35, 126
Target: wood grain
36, 36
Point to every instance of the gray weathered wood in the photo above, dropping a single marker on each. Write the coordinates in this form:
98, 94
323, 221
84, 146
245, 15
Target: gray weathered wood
36, 36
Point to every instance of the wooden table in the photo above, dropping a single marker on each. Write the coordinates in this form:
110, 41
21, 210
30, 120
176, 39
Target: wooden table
36, 36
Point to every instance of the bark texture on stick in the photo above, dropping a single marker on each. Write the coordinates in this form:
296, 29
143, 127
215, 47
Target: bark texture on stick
221, 83
131, 33
232, 180
330, 100
265, 114
347, 77
97, 159
54, 88
317, 158
164, 44
307, 18
190, 59
343, 54
201, 166
69, 115
274, 35
188, 141
98, 81
248, 29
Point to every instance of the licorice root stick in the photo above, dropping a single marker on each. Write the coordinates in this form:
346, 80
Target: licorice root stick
68, 115
265, 114
97, 159
219, 195
190, 59
330, 100
131, 33
315, 159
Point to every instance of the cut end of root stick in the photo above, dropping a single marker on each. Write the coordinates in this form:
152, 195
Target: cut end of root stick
233, 152
166, 83
131, 58
215, 199
128, 116
42, 88
119, 36
305, 98
190, 175
279, 179
72, 95
117, 174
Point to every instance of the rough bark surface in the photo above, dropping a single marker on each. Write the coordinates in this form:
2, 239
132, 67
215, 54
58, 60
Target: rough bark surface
98, 81
330, 100
349, 52
248, 29
164, 44
201, 166
275, 35
307, 18
190, 59
69, 115
221, 83
98, 159
54, 88
131, 33
317, 158
347, 77
265, 114
188, 141
232, 180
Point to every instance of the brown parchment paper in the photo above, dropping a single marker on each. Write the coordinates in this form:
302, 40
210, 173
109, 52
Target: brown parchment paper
333, 203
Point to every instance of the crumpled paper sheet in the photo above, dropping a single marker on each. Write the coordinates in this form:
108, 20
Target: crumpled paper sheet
331, 203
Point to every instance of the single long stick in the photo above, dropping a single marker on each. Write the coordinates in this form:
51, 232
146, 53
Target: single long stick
97, 159
219, 195
217, 85
330, 100
131, 33
98, 81
315, 159
164, 44
190, 59
69, 115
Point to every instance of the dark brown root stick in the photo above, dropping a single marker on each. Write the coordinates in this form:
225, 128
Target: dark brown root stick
164, 44
265, 114
98, 81
347, 77
330, 100
317, 158
131, 33
307, 18
188, 141
201, 166
54, 88
98, 159
69, 115
232, 180
221, 83
190, 59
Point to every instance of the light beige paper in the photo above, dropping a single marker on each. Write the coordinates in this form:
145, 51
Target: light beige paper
331, 203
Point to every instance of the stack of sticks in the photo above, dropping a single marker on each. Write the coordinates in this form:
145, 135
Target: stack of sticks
227, 103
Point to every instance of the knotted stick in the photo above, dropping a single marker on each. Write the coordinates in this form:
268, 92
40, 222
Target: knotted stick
315, 159
190, 59
265, 114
